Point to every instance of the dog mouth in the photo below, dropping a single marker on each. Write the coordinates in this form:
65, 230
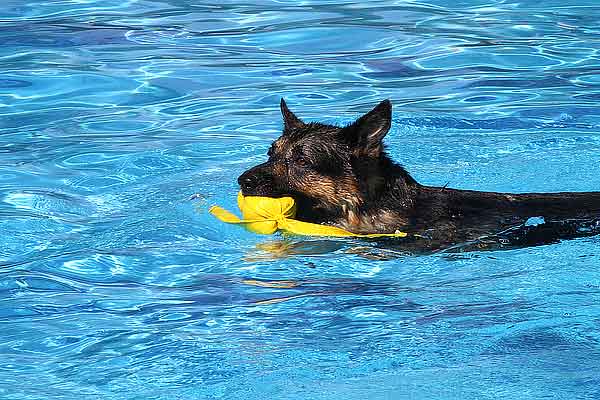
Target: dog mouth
306, 209
263, 191
253, 183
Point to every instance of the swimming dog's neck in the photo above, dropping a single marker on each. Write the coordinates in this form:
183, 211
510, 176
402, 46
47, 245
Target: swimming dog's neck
388, 196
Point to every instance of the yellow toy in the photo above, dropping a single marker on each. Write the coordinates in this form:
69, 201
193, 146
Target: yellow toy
266, 215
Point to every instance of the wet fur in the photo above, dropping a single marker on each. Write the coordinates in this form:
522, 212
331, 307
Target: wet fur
342, 176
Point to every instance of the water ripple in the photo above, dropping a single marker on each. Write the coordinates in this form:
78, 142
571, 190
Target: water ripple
121, 122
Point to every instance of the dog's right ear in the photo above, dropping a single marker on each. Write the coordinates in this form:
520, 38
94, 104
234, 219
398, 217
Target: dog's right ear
290, 121
366, 134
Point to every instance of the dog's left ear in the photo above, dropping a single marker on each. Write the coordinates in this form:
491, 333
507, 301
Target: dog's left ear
290, 121
365, 135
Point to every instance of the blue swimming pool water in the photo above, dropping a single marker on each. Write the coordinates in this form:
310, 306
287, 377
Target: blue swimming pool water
122, 121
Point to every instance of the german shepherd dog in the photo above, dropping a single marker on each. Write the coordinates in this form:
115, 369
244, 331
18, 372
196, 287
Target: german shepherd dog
342, 176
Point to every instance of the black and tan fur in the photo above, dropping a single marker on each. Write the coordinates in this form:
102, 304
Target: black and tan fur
342, 176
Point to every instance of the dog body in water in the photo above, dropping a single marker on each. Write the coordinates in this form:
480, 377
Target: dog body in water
342, 176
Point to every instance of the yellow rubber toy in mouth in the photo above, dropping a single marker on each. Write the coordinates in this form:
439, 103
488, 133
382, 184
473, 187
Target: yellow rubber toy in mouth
267, 215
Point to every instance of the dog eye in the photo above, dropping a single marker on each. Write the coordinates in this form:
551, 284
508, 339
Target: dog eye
301, 161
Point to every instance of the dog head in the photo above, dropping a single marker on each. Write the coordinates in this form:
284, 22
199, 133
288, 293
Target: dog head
325, 168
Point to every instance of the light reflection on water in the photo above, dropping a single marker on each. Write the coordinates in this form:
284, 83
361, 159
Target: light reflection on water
115, 283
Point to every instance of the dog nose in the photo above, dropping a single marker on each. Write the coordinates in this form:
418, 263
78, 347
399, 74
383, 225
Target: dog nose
247, 180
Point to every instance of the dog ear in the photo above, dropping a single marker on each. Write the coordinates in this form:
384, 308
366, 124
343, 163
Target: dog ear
365, 135
290, 120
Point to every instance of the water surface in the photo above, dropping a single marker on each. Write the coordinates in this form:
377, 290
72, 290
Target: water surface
115, 284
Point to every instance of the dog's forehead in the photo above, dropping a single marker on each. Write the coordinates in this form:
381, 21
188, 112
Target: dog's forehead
281, 145
308, 136
305, 145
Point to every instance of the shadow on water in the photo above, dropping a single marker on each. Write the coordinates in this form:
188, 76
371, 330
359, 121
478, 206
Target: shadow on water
275, 249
